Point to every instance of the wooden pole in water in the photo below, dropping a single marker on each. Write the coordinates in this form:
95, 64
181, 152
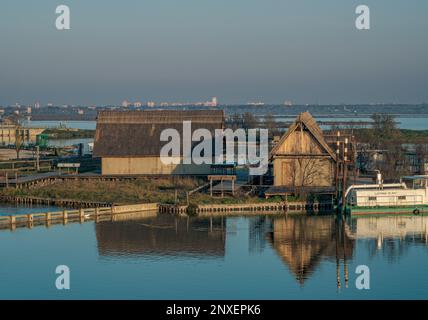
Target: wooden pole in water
65, 216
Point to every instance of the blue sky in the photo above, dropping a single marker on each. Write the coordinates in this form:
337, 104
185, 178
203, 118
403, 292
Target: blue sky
306, 51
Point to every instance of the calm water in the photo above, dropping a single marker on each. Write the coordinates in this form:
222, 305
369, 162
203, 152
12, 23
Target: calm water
89, 125
259, 257
12, 209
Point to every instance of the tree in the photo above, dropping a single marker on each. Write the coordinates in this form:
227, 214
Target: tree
306, 171
271, 125
249, 121
236, 121
384, 127
421, 158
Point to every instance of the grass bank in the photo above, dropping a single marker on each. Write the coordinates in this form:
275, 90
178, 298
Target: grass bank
68, 133
143, 190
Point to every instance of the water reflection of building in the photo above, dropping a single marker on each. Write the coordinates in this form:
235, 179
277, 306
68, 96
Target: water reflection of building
162, 235
303, 242
388, 227
391, 234
258, 227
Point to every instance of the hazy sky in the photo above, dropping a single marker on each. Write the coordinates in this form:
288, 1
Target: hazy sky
306, 51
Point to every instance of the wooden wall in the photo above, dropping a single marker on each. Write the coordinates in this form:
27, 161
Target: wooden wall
301, 161
148, 165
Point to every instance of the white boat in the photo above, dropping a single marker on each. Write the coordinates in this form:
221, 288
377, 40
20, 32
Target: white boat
408, 196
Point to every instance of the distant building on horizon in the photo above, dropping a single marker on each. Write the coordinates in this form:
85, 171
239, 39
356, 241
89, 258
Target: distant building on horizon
125, 103
212, 103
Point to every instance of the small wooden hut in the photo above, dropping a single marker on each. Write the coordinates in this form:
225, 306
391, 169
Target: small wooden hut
302, 158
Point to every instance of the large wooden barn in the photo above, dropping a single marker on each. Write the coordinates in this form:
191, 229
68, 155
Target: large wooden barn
302, 158
129, 143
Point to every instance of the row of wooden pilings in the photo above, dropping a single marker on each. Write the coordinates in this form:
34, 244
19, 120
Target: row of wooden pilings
64, 217
251, 207
266, 207
28, 201
97, 214
173, 209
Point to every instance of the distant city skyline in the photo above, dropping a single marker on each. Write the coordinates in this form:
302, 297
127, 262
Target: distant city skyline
152, 104
245, 51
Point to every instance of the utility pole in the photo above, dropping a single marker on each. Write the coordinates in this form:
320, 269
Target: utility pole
37, 158
345, 171
337, 165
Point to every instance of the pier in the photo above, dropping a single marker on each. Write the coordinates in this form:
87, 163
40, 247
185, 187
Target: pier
266, 207
27, 200
81, 215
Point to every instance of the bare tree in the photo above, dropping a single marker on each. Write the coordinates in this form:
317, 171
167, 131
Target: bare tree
270, 124
421, 157
249, 121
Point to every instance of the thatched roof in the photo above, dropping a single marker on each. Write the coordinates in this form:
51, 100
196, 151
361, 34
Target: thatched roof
306, 120
137, 133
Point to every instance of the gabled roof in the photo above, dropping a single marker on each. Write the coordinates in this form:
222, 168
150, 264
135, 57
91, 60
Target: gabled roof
309, 122
137, 133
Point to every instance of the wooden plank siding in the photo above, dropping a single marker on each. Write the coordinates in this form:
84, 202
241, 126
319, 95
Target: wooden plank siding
302, 157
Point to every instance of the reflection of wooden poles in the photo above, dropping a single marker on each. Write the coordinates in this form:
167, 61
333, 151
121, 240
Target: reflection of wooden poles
345, 262
337, 256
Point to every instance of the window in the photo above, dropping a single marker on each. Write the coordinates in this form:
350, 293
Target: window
372, 198
401, 197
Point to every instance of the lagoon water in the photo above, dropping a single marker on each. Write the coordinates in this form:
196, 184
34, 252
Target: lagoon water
258, 257
414, 122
